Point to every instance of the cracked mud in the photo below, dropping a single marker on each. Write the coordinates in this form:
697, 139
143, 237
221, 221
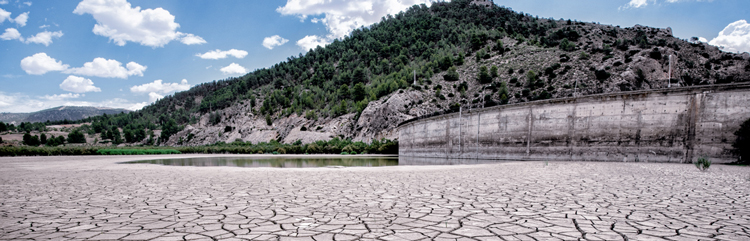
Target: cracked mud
94, 198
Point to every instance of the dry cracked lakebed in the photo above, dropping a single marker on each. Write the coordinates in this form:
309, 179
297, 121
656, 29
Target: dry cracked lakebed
95, 198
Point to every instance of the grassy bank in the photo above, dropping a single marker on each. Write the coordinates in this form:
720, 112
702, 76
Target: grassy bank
335, 146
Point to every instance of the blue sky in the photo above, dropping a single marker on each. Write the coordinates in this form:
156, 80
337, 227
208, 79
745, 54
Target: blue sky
128, 53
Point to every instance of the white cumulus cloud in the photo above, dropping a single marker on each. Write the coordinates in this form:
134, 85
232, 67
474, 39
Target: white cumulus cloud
44, 37
78, 85
108, 68
153, 97
218, 54
343, 16
21, 19
274, 41
191, 39
158, 87
4, 15
637, 3
644, 3
62, 96
312, 41
11, 34
40, 38
40, 63
234, 68
137, 106
120, 22
734, 38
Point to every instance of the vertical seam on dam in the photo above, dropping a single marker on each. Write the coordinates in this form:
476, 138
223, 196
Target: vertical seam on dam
528, 134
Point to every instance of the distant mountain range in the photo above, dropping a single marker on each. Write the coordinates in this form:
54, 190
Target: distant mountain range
72, 113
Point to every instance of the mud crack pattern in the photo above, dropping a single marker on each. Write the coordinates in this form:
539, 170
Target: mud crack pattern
94, 198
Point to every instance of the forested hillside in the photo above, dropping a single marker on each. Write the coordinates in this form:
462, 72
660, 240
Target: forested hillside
424, 60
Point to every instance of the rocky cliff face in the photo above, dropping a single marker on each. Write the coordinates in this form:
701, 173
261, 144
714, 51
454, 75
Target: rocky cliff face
238, 122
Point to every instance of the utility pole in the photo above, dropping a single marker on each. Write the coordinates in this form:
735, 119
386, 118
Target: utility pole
670, 72
479, 119
415, 77
460, 108
482, 96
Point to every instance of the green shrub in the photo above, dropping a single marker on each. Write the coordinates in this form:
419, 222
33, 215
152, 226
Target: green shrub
344, 153
484, 76
451, 75
703, 164
602, 75
583, 56
566, 45
655, 54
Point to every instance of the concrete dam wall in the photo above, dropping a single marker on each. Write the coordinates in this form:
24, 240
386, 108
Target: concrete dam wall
667, 125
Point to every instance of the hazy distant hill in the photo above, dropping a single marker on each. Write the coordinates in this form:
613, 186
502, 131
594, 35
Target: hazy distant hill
72, 113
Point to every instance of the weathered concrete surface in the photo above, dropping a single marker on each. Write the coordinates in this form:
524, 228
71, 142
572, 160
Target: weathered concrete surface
93, 198
672, 125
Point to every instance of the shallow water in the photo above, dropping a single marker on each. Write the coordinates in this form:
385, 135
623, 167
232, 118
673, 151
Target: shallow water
310, 161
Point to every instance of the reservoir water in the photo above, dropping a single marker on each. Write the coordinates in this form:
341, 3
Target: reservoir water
309, 161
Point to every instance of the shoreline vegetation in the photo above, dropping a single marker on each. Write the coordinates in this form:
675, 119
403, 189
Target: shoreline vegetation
334, 146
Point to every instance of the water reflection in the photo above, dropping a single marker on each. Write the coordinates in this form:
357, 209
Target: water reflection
279, 162
425, 161
312, 161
